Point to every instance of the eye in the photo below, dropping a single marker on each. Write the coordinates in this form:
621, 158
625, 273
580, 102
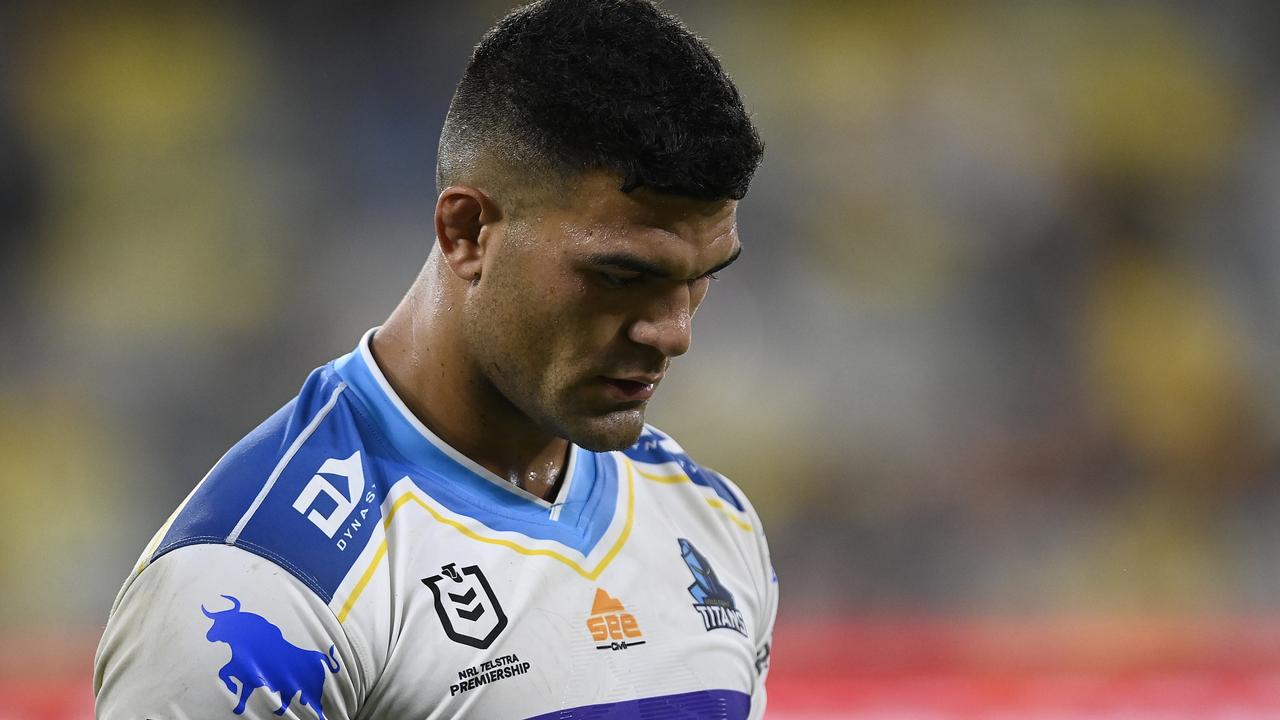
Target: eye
618, 280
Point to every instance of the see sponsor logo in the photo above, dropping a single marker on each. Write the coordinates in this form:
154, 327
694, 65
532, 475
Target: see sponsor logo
611, 625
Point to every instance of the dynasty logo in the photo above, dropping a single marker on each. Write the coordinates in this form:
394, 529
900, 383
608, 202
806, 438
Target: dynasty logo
611, 624
711, 598
344, 515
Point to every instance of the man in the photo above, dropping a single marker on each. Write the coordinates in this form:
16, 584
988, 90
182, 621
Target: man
467, 516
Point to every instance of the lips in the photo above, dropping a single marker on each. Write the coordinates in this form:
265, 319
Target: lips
632, 388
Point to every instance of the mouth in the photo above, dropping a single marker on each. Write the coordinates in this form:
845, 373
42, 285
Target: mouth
636, 388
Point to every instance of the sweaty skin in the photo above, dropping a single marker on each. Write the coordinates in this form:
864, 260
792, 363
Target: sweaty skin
523, 333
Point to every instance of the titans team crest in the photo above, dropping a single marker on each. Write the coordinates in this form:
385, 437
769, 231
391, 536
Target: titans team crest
712, 599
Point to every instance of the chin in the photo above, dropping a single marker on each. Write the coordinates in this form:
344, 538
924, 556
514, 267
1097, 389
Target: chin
615, 431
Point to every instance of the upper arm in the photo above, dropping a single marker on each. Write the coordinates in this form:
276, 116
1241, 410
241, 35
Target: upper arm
205, 626
766, 585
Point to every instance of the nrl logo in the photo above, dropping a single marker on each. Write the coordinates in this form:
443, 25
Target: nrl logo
468, 609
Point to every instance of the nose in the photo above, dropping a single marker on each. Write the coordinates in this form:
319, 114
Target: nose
667, 322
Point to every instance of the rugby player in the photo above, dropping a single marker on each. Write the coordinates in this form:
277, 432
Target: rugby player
467, 516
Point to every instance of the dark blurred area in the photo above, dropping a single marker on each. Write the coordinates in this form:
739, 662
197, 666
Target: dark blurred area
1003, 341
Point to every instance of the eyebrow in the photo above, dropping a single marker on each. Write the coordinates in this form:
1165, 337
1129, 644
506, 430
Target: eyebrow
632, 263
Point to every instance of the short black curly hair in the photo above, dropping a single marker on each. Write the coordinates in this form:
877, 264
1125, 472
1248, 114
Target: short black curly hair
561, 87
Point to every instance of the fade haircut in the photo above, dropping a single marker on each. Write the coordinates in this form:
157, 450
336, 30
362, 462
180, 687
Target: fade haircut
562, 87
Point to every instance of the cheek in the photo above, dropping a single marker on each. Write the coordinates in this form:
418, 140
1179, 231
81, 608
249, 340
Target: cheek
552, 325
600, 323
555, 325
579, 338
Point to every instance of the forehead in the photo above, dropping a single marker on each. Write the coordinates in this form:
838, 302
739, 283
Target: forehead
595, 215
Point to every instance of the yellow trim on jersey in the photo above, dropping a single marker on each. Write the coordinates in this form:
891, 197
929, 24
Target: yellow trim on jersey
412, 496
713, 502
667, 479
717, 504
364, 579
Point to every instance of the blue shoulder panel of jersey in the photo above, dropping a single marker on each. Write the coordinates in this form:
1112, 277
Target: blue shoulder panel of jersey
304, 489
656, 447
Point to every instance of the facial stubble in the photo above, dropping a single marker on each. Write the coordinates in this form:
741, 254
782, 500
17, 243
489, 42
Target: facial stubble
512, 339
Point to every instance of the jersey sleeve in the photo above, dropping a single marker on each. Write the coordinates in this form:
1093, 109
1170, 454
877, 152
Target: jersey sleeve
767, 584
212, 630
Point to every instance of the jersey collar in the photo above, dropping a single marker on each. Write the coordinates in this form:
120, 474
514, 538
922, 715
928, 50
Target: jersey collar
418, 444
592, 511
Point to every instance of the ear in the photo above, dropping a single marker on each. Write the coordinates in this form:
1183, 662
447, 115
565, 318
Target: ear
462, 212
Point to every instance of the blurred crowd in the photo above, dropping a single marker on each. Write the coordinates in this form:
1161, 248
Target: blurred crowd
1003, 339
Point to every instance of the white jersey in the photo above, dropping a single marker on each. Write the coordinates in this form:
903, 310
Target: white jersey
341, 561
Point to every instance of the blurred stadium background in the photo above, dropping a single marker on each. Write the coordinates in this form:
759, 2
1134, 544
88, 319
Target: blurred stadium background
998, 366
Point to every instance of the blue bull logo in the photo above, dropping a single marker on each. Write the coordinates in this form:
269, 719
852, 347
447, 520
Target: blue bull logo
261, 657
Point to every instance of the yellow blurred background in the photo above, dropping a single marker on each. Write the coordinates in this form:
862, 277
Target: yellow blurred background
1002, 346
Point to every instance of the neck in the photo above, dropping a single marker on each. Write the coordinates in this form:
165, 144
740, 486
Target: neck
421, 354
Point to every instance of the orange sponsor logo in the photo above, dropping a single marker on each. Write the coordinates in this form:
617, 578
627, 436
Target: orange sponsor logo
611, 625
